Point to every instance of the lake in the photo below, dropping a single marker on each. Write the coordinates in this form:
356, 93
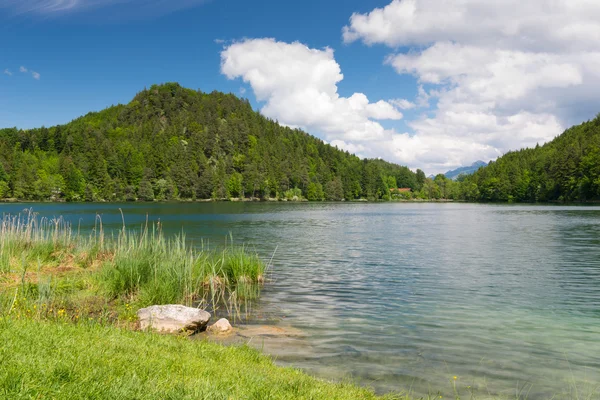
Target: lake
399, 296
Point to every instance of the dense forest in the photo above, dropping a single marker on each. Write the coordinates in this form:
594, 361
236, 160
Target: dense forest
175, 143
565, 169
172, 143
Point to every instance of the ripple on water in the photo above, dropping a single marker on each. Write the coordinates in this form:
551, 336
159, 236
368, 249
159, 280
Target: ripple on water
402, 296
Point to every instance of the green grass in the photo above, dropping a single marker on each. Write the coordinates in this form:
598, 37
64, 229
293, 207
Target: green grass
59, 359
43, 263
41, 359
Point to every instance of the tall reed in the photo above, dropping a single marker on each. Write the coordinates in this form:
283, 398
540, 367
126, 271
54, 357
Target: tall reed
27, 239
142, 266
164, 270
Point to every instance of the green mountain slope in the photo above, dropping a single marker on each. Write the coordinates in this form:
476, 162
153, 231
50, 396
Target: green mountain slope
175, 143
565, 169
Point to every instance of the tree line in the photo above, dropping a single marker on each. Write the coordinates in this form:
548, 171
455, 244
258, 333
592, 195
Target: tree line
173, 143
567, 169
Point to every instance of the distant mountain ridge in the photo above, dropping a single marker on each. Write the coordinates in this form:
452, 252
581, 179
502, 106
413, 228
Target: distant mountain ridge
467, 170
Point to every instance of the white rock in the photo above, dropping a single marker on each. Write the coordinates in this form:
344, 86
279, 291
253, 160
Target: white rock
221, 326
172, 318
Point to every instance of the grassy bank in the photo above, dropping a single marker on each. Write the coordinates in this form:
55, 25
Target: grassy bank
46, 267
41, 359
68, 302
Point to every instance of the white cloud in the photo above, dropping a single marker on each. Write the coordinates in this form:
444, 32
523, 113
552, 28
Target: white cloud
357, 149
534, 25
403, 104
299, 88
59, 7
448, 139
24, 70
504, 74
495, 74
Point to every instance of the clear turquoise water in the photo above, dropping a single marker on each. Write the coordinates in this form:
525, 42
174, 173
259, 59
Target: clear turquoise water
406, 296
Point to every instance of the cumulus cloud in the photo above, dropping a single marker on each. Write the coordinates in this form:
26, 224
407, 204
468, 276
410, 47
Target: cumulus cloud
7, 72
22, 69
503, 75
35, 75
534, 25
299, 88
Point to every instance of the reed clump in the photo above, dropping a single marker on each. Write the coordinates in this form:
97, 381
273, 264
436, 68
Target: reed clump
44, 262
161, 270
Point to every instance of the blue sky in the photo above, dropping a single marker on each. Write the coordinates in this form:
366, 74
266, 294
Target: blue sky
90, 60
421, 81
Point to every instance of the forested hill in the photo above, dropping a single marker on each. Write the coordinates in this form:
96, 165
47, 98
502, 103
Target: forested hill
175, 143
565, 169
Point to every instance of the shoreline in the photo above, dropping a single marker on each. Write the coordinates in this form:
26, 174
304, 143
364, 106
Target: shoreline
87, 360
234, 200
53, 287
68, 294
